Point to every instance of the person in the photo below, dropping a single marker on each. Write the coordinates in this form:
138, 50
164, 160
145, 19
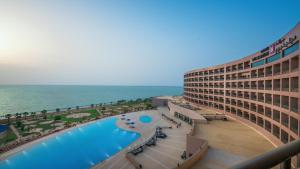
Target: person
140, 166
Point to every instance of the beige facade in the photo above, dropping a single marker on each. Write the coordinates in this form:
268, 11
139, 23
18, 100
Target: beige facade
261, 90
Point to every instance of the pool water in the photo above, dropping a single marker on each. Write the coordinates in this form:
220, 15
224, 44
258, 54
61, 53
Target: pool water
79, 148
145, 119
3, 128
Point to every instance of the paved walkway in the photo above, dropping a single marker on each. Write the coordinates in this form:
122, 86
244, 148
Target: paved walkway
15, 131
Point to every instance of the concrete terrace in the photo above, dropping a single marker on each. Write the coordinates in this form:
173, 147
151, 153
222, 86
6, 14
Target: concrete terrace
230, 142
167, 152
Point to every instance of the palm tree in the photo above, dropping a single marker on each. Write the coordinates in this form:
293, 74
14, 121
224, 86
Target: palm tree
44, 114
8, 116
69, 109
32, 114
25, 114
18, 116
77, 107
57, 110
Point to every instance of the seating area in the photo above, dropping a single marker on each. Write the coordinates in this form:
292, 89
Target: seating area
178, 124
151, 142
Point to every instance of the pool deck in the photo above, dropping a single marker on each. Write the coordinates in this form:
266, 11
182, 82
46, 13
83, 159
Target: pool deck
166, 154
229, 142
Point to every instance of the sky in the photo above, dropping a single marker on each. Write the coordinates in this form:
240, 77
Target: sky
132, 42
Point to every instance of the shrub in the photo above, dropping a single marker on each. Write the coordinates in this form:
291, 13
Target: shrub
58, 117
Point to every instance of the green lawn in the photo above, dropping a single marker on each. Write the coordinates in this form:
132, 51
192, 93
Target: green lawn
117, 108
9, 136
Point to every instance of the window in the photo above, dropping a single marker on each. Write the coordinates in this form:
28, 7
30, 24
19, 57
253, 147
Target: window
276, 115
291, 49
258, 63
273, 58
294, 125
284, 136
285, 119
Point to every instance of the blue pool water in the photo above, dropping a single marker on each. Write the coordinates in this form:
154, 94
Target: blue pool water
3, 128
79, 148
145, 119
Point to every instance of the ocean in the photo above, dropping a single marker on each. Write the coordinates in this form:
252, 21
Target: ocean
28, 98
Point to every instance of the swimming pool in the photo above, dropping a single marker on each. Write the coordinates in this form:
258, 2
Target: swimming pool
3, 128
145, 119
79, 148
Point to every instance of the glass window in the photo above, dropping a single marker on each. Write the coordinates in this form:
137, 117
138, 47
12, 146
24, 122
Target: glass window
273, 58
291, 49
258, 63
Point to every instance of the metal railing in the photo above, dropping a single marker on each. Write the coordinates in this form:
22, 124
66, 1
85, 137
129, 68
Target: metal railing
279, 156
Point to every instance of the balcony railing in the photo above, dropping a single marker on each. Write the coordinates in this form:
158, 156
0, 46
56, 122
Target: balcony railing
281, 155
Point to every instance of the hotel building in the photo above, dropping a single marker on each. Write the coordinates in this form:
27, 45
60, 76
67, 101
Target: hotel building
260, 90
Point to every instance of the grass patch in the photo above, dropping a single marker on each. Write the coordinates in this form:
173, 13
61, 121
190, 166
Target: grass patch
9, 136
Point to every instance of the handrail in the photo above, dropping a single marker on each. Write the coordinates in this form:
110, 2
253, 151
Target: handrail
282, 154
141, 142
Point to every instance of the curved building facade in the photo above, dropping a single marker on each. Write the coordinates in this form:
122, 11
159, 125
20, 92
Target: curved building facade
261, 90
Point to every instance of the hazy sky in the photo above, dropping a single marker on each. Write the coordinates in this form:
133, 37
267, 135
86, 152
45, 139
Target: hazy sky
132, 42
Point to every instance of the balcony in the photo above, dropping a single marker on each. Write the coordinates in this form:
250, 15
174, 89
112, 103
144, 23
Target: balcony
268, 85
294, 84
240, 66
253, 107
268, 112
253, 118
253, 96
268, 126
246, 85
233, 68
260, 109
227, 101
246, 105
253, 85
228, 69
276, 100
285, 67
294, 105
260, 121
295, 64
240, 104
240, 95
285, 84
268, 99
268, 71
276, 115
285, 120
261, 72
276, 84
246, 115
233, 102
294, 125
261, 85
246, 95
246, 65
276, 69
285, 102
253, 74
260, 97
